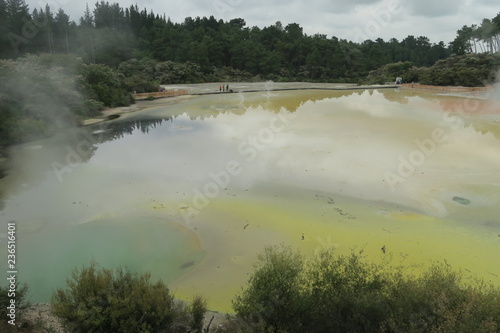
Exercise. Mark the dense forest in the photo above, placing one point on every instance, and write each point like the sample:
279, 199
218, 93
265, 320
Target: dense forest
111, 35
77, 68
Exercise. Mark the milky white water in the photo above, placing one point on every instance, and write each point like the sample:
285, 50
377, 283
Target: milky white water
192, 191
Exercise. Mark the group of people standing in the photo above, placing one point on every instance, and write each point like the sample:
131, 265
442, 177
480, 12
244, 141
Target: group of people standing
225, 88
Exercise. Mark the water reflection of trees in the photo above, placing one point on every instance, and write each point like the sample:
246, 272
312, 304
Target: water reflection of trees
116, 130
293, 102
396, 96
63, 153
275, 102
82, 144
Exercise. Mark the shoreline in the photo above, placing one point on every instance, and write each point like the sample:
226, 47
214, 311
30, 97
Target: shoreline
201, 89
140, 105
40, 315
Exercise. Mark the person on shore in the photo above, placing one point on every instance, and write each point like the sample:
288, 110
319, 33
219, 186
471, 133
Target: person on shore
220, 88
227, 87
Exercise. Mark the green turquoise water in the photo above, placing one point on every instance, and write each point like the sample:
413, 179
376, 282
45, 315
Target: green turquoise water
143, 244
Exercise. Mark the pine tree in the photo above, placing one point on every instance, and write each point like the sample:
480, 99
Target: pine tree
20, 28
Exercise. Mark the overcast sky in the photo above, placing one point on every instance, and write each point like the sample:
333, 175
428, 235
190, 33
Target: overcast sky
354, 20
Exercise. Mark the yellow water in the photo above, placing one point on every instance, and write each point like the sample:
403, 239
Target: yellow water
322, 165
410, 239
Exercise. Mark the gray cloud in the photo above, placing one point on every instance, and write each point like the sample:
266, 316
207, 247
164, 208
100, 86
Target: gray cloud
434, 8
438, 20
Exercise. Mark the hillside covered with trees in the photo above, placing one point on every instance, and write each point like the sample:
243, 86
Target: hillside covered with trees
110, 35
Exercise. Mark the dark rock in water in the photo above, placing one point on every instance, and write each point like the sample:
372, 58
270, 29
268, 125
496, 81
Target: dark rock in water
113, 116
187, 264
461, 201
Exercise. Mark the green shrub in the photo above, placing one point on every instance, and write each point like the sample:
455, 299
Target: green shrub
389, 73
103, 300
26, 129
197, 309
465, 70
274, 296
348, 294
101, 83
87, 108
41, 94
440, 301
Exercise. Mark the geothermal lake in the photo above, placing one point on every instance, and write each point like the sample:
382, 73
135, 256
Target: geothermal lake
193, 189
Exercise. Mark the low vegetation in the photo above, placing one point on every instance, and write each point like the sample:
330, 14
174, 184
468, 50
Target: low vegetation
42, 94
103, 300
469, 70
331, 293
286, 293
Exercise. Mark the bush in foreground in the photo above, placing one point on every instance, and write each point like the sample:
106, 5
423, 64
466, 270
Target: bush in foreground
347, 294
103, 300
274, 298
